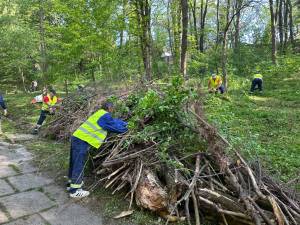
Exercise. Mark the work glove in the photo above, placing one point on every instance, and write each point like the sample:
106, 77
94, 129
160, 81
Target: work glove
52, 111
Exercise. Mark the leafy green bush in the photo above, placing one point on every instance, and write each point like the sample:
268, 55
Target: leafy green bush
156, 117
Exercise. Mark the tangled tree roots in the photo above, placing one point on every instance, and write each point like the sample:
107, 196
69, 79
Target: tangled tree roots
220, 183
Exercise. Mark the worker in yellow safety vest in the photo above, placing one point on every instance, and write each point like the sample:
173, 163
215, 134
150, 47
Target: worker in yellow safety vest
48, 107
91, 133
257, 83
215, 84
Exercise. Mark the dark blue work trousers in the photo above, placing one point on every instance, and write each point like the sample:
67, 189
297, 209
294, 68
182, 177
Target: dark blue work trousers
256, 84
2, 103
221, 89
43, 116
78, 155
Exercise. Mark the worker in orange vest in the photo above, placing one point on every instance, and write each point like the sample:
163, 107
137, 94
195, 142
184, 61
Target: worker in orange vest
215, 84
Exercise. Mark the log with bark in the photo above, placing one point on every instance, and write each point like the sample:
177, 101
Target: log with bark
217, 183
220, 184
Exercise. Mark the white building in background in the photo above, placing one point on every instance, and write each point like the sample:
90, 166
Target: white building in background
167, 56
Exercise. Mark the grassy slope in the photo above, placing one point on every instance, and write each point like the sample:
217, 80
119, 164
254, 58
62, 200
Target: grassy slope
267, 126
263, 125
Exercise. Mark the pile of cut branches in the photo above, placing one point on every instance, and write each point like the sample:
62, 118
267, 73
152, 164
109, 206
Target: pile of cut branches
76, 108
173, 162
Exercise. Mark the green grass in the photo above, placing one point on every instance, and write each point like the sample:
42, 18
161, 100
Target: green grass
264, 126
21, 113
50, 155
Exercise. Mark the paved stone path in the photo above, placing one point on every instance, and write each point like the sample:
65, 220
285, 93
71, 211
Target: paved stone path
28, 198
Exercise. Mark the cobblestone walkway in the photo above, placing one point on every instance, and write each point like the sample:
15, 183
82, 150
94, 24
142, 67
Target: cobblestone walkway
28, 198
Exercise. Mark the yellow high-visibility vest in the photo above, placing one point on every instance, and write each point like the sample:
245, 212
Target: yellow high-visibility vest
90, 131
215, 83
257, 75
52, 102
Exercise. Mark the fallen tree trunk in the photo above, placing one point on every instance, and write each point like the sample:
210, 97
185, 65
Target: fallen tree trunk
213, 181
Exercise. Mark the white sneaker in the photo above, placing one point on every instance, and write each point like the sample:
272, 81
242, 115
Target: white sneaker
80, 194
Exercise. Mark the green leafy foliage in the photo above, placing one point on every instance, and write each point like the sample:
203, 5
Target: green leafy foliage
156, 117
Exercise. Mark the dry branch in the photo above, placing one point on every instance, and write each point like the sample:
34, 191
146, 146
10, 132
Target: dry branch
219, 181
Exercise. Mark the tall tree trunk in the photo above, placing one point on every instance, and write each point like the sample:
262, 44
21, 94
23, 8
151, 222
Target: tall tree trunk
280, 24
123, 22
23, 78
273, 32
149, 41
224, 46
218, 22
121, 37
43, 61
238, 4
184, 41
93, 76
143, 13
224, 60
276, 11
202, 20
66, 87
291, 23
285, 22
176, 24
194, 9
169, 28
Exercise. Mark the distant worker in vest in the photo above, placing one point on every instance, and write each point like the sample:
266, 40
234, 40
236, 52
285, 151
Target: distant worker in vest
257, 83
3, 106
91, 133
48, 107
215, 84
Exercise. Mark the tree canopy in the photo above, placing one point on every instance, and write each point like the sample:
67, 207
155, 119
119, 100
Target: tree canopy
55, 40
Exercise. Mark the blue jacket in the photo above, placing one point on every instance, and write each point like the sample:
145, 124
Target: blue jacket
112, 125
2, 102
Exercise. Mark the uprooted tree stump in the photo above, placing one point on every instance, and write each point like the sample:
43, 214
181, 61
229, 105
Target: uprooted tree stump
217, 182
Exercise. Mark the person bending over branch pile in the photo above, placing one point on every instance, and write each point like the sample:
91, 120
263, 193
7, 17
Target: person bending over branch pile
91, 133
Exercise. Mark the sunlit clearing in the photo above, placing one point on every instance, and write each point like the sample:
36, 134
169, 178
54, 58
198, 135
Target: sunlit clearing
261, 99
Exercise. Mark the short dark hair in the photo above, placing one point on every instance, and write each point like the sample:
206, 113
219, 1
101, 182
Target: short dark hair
52, 91
106, 105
